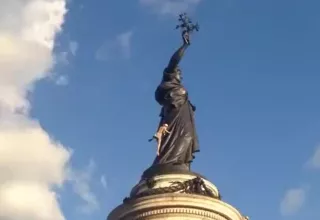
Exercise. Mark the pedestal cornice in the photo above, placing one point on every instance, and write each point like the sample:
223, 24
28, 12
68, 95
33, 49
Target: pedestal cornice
173, 205
175, 196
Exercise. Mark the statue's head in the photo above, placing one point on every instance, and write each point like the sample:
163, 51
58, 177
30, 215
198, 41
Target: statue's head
175, 75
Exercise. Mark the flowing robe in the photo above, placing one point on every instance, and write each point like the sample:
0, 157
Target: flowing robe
178, 146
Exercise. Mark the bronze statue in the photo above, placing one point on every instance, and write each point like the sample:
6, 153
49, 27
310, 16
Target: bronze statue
176, 136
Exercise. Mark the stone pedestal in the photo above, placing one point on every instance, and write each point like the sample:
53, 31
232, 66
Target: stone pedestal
175, 197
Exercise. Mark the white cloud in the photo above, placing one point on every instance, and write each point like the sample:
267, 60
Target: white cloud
81, 185
31, 162
314, 161
292, 201
120, 47
73, 47
103, 181
173, 7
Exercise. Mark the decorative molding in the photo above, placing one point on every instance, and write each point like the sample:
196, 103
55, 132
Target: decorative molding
188, 211
159, 203
169, 196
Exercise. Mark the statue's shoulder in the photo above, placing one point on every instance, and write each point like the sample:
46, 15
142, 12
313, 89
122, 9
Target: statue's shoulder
178, 91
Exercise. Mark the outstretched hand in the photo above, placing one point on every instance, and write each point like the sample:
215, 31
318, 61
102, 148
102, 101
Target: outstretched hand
186, 38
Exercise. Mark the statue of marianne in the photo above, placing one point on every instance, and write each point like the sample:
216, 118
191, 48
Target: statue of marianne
176, 136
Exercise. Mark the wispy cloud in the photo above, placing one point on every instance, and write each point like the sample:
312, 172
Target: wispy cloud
173, 7
119, 47
73, 47
293, 201
62, 80
295, 198
103, 181
61, 60
314, 161
124, 41
32, 164
81, 180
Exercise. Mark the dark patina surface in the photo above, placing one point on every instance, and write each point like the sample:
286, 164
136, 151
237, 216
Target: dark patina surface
177, 147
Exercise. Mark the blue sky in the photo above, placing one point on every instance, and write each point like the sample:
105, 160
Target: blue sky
252, 71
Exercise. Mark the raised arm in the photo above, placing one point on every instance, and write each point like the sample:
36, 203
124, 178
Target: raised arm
177, 56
